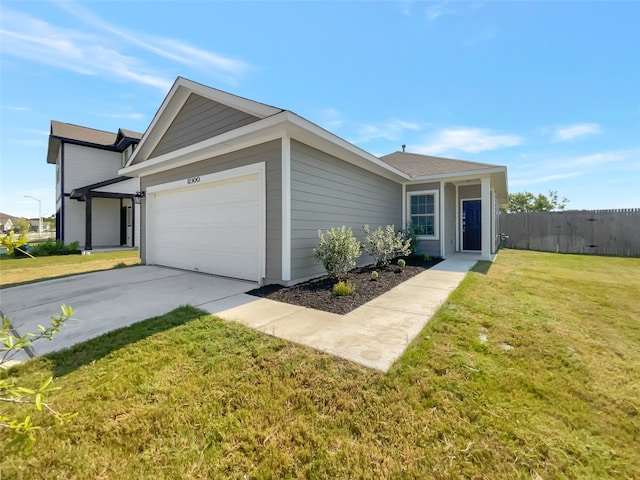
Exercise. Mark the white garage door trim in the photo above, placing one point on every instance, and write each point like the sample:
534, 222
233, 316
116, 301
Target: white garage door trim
197, 181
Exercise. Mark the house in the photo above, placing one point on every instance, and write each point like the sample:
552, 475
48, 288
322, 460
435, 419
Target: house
95, 206
238, 188
7, 222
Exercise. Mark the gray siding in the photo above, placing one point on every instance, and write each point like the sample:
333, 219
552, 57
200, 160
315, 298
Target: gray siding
271, 154
328, 192
199, 119
469, 191
432, 247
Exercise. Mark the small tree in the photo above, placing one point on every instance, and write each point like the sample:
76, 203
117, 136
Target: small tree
338, 250
528, 202
11, 243
23, 429
385, 245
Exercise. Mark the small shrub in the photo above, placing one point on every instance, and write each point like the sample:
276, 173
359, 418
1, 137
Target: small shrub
338, 250
402, 264
410, 234
426, 257
385, 245
55, 247
374, 275
343, 289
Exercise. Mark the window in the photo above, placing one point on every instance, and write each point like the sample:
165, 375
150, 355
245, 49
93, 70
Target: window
422, 213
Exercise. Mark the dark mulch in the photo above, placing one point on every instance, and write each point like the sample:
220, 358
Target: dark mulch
317, 293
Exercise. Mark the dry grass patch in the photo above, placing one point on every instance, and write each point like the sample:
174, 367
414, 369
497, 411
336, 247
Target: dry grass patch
26, 270
188, 395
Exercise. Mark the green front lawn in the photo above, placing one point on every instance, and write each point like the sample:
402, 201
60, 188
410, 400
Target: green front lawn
188, 395
17, 271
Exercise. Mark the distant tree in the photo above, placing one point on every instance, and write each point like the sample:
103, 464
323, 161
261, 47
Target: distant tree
50, 221
22, 226
528, 202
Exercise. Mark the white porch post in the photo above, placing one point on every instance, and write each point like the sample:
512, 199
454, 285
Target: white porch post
485, 195
286, 207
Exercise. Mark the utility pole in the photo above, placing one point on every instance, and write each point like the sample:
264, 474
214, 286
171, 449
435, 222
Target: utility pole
39, 214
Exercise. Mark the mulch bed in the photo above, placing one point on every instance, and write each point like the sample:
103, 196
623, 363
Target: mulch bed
317, 293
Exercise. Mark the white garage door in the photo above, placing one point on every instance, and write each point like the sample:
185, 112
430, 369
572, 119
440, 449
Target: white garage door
208, 225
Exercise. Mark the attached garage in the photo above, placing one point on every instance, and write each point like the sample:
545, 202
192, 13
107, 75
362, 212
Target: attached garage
212, 223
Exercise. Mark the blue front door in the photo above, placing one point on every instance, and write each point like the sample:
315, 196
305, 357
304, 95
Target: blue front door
471, 225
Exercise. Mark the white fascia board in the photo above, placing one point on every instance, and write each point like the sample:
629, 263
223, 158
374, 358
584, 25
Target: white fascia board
251, 107
270, 128
461, 176
168, 110
175, 100
317, 137
262, 131
286, 207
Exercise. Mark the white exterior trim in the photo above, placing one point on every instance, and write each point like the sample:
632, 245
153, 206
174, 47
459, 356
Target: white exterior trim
404, 206
175, 100
485, 189
458, 221
286, 208
436, 211
442, 220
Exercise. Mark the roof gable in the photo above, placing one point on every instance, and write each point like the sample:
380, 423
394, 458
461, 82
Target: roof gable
198, 119
416, 165
188, 100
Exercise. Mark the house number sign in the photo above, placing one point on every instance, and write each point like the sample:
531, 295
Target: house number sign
192, 180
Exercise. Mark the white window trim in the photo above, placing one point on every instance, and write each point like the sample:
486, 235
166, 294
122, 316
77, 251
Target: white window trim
436, 212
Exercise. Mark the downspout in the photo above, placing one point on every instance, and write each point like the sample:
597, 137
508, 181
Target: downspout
442, 221
60, 234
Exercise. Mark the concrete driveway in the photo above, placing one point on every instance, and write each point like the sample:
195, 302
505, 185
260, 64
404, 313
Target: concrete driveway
105, 301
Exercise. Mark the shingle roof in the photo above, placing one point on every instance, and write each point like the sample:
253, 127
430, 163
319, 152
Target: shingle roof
86, 134
131, 133
100, 138
416, 165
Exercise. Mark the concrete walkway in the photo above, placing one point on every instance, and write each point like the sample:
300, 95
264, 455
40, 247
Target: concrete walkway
373, 335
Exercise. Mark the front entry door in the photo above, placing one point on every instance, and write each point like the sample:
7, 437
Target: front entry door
471, 225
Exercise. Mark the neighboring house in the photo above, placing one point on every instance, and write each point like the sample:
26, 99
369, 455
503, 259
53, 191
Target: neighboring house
7, 222
243, 188
95, 206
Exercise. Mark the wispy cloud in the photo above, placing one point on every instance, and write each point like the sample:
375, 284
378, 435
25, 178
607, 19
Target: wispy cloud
602, 158
95, 48
17, 108
557, 168
469, 140
569, 132
437, 10
390, 130
330, 118
542, 179
169, 48
486, 34
127, 116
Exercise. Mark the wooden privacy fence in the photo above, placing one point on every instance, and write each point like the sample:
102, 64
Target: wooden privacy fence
595, 232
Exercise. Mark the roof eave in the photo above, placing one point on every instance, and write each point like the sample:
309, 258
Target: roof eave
464, 173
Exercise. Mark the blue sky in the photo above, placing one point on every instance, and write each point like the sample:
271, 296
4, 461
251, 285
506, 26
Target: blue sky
549, 89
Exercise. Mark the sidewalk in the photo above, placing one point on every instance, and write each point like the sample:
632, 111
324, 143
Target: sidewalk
373, 335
